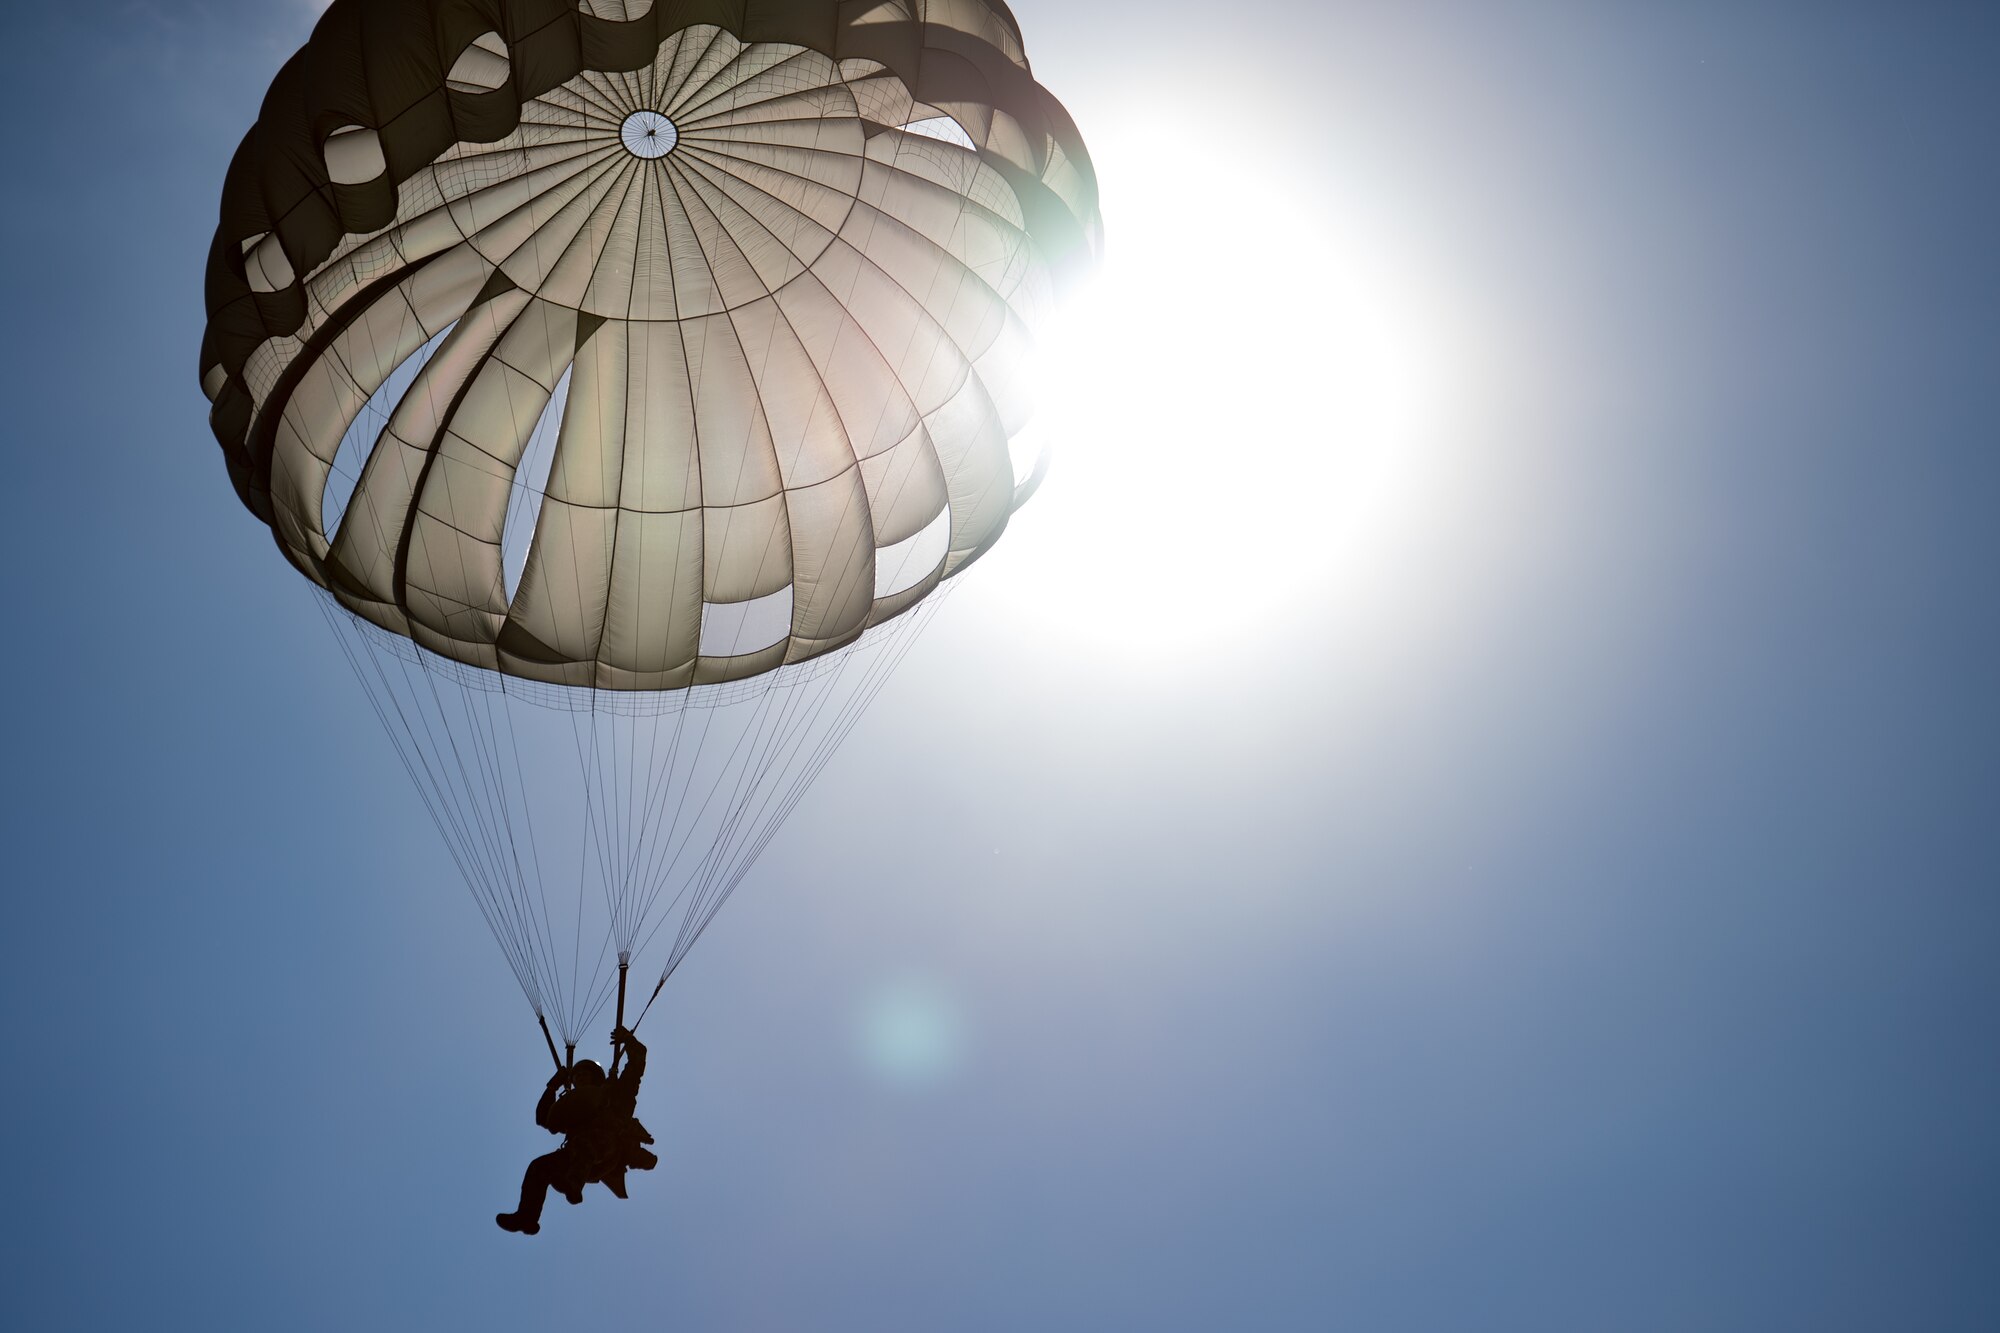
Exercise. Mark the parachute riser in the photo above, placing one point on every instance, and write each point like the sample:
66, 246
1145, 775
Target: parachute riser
649, 1002
551, 1042
618, 1047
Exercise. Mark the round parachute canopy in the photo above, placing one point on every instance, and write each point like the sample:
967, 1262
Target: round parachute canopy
628, 376
640, 346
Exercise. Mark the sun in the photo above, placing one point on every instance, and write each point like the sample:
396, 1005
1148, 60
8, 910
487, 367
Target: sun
1242, 411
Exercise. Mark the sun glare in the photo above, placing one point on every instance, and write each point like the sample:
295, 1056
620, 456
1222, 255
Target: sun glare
1246, 401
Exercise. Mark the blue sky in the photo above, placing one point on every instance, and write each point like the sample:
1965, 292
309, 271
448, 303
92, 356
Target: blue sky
1482, 798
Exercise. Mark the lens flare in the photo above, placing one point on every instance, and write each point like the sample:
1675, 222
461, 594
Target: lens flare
910, 1034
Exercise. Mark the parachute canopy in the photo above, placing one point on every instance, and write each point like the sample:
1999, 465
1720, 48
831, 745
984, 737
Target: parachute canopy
613, 370
638, 346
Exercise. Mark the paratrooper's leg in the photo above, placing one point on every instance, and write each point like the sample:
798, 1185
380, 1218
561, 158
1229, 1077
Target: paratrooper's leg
546, 1170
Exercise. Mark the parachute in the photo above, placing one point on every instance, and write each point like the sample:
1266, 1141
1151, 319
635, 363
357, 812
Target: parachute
629, 378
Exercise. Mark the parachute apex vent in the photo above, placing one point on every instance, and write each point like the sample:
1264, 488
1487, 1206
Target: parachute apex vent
648, 134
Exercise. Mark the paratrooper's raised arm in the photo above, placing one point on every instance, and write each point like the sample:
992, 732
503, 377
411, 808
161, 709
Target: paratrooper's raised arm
547, 1105
635, 1051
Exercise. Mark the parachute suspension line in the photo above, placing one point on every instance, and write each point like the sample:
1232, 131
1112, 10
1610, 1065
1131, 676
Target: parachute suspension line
613, 858
639, 825
628, 819
494, 761
740, 803
685, 776
735, 805
438, 799
600, 838
448, 818
487, 752
783, 779
669, 785
854, 708
650, 809
474, 816
631, 830
658, 878
503, 882
655, 808
881, 669
527, 812
592, 800
756, 749
496, 822
497, 869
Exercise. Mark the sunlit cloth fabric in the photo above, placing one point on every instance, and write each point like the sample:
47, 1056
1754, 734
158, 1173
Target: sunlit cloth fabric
640, 345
